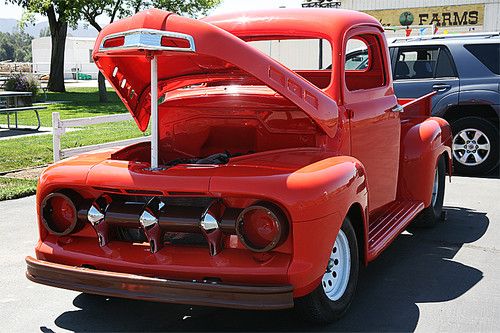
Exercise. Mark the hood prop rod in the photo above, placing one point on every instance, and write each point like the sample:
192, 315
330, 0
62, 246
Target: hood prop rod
154, 111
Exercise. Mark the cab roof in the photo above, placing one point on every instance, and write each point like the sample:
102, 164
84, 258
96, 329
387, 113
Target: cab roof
301, 22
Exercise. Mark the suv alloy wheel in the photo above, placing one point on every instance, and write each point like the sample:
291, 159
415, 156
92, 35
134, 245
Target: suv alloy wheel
475, 146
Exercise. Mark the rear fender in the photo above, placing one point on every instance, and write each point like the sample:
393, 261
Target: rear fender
443, 104
479, 97
422, 145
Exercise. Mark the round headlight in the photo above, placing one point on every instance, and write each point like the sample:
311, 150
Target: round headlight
59, 214
260, 228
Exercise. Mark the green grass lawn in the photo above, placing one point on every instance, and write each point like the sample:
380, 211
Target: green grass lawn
12, 188
32, 151
81, 102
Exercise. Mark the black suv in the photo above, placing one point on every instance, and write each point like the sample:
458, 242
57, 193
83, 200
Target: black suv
464, 70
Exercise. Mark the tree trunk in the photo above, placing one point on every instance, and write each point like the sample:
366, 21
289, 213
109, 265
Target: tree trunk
58, 31
103, 94
101, 81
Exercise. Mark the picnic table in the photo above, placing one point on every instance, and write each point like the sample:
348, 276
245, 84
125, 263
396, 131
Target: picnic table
10, 105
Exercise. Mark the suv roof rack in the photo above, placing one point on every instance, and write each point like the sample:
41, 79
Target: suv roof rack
447, 36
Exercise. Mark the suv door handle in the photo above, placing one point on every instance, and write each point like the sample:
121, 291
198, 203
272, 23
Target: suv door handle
397, 108
441, 87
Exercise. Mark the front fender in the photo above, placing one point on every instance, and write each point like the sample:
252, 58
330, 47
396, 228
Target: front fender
317, 198
313, 240
70, 173
308, 193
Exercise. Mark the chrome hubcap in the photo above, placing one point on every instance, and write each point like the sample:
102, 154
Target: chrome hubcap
471, 147
337, 273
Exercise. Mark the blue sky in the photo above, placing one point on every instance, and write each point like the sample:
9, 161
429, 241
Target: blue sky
15, 12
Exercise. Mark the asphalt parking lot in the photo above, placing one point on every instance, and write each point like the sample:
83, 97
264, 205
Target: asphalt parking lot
443, 279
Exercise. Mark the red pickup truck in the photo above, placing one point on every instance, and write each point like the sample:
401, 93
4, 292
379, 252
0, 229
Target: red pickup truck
262, 187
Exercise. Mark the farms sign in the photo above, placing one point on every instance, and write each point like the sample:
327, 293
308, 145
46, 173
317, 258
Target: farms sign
441, 16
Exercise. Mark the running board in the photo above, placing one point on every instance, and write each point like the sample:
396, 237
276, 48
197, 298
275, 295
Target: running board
388, 226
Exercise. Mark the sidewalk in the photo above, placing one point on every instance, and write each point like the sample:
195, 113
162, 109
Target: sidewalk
7, 134
83, 84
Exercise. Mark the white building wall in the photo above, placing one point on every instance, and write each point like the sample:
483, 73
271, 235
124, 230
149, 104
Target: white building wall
41, 50
296, 53
76, 56
491, 8
492, 16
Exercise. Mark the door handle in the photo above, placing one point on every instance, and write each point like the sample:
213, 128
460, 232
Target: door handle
441, 87
397, 108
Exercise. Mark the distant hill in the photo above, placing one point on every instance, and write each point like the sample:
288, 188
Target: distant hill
9, 25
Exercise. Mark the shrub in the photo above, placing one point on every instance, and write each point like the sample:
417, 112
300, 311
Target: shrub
22, 82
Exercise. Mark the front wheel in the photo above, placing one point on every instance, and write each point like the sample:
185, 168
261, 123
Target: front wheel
331, 299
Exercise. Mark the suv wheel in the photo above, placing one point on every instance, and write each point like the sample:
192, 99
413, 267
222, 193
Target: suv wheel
475, 145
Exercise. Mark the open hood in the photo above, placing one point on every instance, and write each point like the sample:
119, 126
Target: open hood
190, 51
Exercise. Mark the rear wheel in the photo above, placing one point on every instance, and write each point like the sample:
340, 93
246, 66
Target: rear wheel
475, 145
432, 214
331, 299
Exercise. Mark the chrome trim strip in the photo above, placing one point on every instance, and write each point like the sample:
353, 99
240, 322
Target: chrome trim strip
147, 39
94, 215
210, 228
398, 108
208, 222
147, 219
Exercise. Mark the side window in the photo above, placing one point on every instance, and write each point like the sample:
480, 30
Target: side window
488, 54
364, 67
445, 67
423, 63
415, 63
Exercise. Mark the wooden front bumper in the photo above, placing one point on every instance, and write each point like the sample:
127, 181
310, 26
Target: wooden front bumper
132, 286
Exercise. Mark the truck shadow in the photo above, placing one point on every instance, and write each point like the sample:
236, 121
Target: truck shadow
416, 268
493, 174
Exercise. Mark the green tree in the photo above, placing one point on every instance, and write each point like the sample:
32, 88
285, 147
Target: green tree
15, 46
44, 32
115, 9
60, 14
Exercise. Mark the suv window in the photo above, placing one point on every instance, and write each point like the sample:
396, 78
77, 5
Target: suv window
423, 63
357, 60
487, 54
445, 67
357, 55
